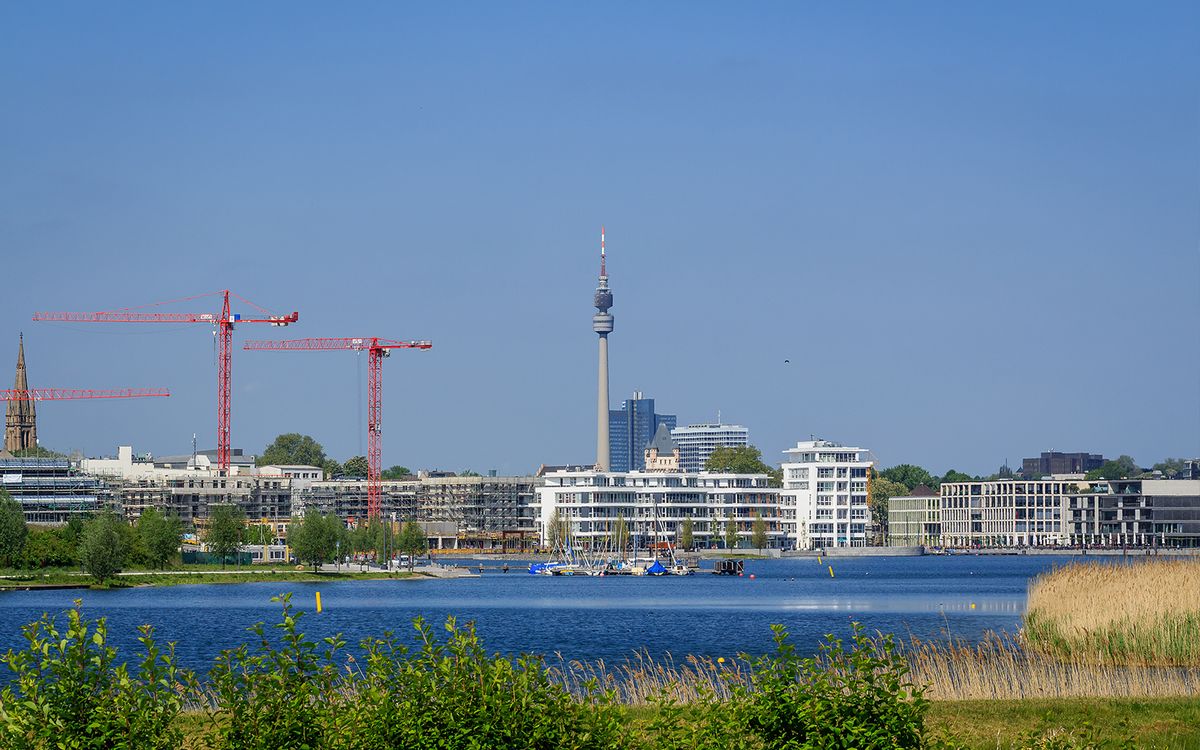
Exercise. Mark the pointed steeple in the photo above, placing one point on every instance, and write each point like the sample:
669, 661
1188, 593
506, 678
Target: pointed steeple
20, 424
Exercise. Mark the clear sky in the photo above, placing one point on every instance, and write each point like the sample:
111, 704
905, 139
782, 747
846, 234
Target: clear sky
972, 228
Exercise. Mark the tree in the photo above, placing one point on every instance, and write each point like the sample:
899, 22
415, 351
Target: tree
758, 537
687, 533
956, 476
736, 459
618, 535
293, 448
332, 468
1119, 468
56, 547
731, 533
910, 476
882, 490
412, 542
259, 533
226, 529
315, 539
38, 451
13, 532
396, 472
160, 536
1170, 467
468, 473
101, 548
356, 467
555, 533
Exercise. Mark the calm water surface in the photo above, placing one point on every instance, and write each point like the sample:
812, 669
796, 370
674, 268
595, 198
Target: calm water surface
585, 618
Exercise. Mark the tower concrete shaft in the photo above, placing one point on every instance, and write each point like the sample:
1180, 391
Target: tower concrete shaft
602, 324
20, 424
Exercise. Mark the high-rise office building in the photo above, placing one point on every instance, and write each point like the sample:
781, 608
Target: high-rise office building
697, 442
630, 430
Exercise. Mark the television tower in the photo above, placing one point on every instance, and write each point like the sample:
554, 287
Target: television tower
602, 324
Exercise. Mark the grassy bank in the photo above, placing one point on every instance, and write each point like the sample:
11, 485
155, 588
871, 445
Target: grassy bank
184, 576
1143, 614
1001, 725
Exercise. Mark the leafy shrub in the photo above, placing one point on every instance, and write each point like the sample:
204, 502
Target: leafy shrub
449, 694
275, 697
453, 694
858, 697
68, 691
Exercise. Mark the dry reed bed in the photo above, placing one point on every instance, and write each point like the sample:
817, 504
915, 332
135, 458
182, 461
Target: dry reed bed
997, 668
1143, 614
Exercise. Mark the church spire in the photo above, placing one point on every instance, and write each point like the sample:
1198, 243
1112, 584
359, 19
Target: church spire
20, 424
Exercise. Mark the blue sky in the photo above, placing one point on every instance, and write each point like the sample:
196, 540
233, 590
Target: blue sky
972, 228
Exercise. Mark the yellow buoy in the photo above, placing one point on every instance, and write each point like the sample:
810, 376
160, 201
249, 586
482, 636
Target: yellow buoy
831, 571
972, 605
318, 602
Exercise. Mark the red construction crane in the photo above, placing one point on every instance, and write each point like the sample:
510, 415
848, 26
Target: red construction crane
224, 323
376, 349
72, 394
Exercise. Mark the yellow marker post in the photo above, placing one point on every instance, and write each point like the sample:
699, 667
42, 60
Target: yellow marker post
818, 559
318, 602
831, 571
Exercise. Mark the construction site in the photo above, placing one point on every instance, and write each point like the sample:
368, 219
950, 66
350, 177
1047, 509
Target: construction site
460, 512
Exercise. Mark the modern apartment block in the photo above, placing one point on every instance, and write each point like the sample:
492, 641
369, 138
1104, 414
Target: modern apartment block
1140, 512
915, 519
697, 442
825, 495
1054, 462
654, 505
630, 430
1005, 513
51, 491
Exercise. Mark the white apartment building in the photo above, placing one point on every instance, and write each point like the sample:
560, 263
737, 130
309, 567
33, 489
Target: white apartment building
654, 505
697, 441
824, 497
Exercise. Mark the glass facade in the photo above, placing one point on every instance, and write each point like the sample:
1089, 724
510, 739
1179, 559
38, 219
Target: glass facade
630, 430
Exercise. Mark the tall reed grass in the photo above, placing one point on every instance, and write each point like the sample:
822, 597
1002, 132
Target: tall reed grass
1143, 614
998, 668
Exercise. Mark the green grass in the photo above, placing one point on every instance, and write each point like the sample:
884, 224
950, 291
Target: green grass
194, 574
1000, 725
1004, 725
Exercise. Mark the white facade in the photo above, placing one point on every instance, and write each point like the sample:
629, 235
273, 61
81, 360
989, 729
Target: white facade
824, 495
127, 466
697, 441
302, 476
654, 505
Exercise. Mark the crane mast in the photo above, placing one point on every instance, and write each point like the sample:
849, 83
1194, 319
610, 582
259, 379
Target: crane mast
377, 349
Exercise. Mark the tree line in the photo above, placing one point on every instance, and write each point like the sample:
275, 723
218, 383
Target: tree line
104, 544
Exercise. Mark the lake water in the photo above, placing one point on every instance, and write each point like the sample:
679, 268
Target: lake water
585, 618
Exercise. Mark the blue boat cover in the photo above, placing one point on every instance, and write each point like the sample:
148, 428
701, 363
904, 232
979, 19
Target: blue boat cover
656, 569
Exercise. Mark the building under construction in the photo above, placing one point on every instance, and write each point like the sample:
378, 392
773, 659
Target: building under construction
487, 512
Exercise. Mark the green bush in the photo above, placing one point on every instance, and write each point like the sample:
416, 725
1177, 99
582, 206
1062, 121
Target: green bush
287, 691
68, 691
858, 697
275, 697
449, 694
453, 694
